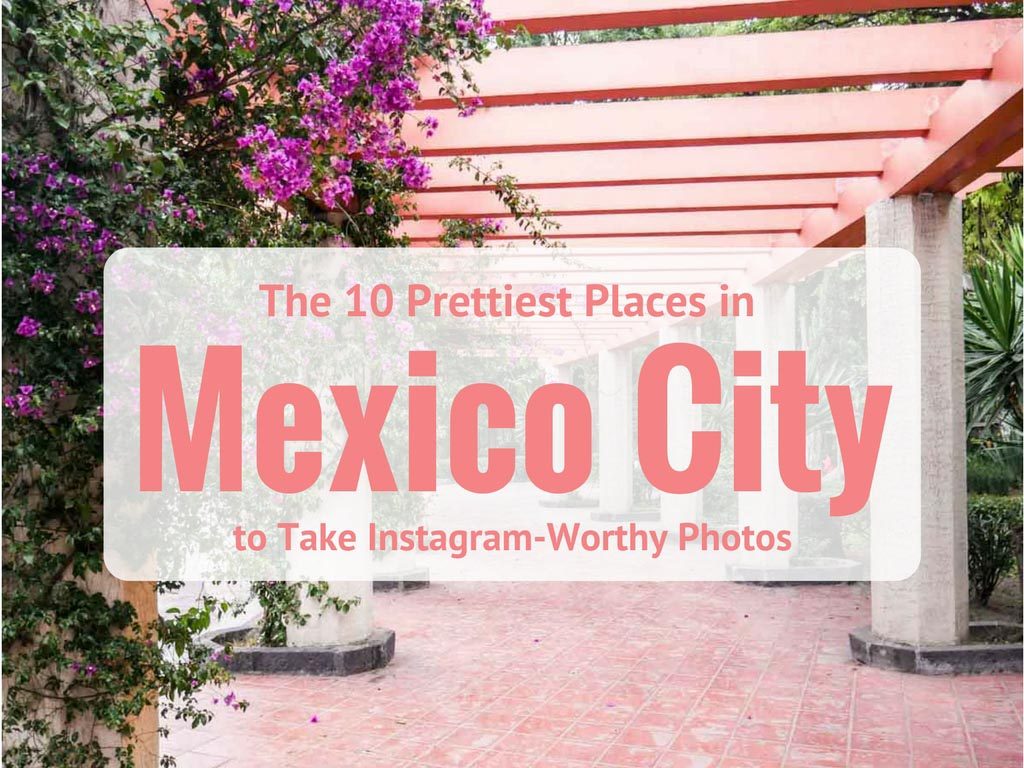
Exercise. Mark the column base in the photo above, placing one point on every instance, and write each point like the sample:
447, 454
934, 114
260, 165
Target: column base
336, 660
801, 571
402, 581
992, 647
626, 516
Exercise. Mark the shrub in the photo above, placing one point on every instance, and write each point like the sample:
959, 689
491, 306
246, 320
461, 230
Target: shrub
993, 473
993, 340
993, 533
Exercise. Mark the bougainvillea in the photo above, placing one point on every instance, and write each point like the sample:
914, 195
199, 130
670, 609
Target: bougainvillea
214, 123
318, 97
62, 641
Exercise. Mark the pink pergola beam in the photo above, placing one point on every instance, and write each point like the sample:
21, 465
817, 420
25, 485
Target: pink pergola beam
980, 183
661, 198
640, 237
575, 15
683, 122
552, 170
662, 241
640, 224
735, 64
1013, 163
975, 130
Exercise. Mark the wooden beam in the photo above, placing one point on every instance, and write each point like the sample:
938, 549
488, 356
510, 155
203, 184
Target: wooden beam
661, 198
641, 225
978, 127
575, 15
614, 167
925, 53
1013, 163
758, 241
980, 183
683, 122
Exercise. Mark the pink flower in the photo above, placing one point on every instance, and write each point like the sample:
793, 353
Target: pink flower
28, 327
43, 282
88, 302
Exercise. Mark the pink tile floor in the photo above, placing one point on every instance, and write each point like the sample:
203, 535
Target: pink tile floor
662, 675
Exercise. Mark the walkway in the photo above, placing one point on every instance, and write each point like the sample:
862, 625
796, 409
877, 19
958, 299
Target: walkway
662, 675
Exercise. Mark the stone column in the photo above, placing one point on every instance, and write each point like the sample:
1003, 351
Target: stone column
771, 329
558, 374
329, 627
615, 434
931, 607
684, 418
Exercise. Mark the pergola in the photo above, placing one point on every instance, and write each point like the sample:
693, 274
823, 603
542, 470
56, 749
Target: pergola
687, 143
601, 135
667, 143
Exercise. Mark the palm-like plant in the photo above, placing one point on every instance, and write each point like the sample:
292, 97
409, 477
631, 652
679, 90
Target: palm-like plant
993, 311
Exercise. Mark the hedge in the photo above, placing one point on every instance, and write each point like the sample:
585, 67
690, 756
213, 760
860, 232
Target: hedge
994, 537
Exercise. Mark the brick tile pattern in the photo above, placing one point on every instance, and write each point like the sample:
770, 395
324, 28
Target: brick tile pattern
620, 676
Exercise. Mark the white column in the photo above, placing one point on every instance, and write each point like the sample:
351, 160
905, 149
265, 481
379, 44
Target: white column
931, 607
327, 626
558, 374
771, 329
684, 418
615, 434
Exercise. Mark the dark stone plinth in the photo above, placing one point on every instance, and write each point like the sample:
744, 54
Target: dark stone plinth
802, 571
982, 654
338, 660
405, 581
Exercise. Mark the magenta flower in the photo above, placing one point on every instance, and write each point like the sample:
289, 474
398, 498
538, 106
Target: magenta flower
88, 302
42, 282
28, 327
281, 166
22, 403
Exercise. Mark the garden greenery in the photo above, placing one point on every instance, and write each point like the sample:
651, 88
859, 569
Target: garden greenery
993, 335
213, 123
993, 340
993, 470
994, 525
281, 602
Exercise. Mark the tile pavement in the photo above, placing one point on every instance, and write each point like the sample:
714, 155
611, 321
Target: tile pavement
693, 675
